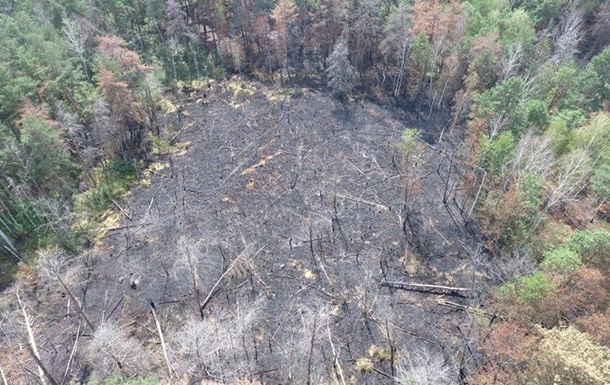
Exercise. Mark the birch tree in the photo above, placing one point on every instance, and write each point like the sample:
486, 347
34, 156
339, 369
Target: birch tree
396, 44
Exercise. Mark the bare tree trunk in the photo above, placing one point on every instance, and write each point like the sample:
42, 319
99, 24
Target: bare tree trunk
4, 380
76, 302
63, 381
43, 374
403, 61
163, 347
336, 363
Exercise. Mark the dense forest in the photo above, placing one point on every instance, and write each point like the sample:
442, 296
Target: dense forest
487, 116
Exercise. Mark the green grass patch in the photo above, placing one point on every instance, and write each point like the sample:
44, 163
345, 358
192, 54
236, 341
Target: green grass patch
161, 145
110, 181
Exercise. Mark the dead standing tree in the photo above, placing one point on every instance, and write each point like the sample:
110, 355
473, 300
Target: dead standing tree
320, 192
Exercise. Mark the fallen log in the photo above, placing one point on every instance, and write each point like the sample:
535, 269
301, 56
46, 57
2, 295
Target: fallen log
469, 309
429, 289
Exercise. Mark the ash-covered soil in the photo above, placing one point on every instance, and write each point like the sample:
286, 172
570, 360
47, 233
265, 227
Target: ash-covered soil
274, 248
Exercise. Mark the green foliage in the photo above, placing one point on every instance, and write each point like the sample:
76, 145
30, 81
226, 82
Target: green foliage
531, 192
595, 80
562, 259
518, 213
537, 114
542, 12
419, 58
559, 87
39, 176
483, 16
47, 164
20, 221
160, 145
82, 99
561, 130
505, 99
35, 62
590, 244
573, 118
494, 154
6, 137
409, 139
484, 63
32, 224
518, 28
600, 182
111, 181
13, 88
595, 137
528, 288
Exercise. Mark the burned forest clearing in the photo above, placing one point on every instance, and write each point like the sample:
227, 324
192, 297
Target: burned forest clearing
286, 237
411, 192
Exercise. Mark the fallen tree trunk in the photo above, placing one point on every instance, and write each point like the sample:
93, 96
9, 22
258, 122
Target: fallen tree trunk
429, 289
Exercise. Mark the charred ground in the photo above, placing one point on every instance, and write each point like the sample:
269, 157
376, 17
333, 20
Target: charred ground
288, 225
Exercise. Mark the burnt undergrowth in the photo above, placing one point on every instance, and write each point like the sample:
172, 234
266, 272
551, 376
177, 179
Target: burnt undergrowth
289, 228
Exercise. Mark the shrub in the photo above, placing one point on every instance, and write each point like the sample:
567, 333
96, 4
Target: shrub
409, 140
537, 114
528, 288
597, 326
111, 181
600, 182
561, 259
591, 246
494, 154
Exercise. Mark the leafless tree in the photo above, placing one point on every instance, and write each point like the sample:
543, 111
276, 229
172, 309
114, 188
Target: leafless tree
52, 265
511, 61
194, 349
340, 71
175, 50
302, 344
601, 27
513, 3
569, 35
220, 346
78, 34
533, 154
33, 346
572, 174
397, 43
114, 351
25, 342
422, 366
177, 27
365, 33
9, 246
105, 128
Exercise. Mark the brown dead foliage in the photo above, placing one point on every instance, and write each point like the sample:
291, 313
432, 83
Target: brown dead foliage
597, 326
507, 348
581, 293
